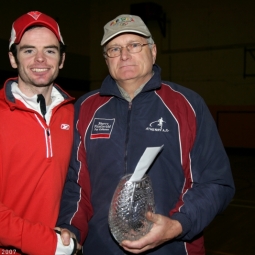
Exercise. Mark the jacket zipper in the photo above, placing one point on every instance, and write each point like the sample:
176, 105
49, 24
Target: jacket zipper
47, 135
127, 136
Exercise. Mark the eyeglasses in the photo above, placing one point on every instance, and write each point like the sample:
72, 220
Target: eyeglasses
131, 48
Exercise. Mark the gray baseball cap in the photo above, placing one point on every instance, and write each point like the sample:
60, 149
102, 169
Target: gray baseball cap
123, 24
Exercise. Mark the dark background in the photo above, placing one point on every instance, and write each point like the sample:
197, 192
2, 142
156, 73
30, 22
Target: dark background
207, 46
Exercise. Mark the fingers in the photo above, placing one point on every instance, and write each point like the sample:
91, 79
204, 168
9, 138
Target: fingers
78, 246
141, 245
164, 229
66, 235
152, 217
58, 229
136, 246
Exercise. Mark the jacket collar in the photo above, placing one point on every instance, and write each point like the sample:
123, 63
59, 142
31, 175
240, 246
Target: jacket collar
11, 99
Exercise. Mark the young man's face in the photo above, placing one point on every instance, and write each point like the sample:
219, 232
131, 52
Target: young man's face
38, 55
136, 67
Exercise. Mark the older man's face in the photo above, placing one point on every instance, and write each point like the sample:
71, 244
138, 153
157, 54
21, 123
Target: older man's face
131, 68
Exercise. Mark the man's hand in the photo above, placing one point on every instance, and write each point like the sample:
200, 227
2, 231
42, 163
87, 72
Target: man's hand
163, 230
66, 235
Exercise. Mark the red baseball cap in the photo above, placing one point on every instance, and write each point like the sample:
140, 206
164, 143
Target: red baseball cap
29, 19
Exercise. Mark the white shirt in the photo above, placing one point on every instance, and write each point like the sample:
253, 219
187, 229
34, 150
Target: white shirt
31, 102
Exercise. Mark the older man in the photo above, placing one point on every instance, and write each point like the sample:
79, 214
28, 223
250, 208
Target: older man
191, 177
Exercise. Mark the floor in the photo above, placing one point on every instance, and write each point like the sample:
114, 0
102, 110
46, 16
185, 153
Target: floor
233, 231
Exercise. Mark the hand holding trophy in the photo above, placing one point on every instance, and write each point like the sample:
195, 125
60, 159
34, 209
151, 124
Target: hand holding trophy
131, 201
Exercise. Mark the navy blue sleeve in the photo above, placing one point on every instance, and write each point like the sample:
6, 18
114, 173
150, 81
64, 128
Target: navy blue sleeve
213, 186
76, 208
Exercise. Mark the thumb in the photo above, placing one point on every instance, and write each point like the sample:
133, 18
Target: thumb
152, 217
65, 236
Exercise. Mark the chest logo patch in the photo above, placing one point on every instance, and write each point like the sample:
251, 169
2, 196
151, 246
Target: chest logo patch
65, 126
102, 128
157, 126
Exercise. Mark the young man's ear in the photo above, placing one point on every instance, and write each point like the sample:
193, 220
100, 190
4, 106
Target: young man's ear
12, 60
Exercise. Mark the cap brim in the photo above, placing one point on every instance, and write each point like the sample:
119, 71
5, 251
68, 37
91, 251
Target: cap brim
105, 40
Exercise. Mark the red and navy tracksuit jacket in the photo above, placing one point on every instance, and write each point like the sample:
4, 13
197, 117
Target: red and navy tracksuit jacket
191, 177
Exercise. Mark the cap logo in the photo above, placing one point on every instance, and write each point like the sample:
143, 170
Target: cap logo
123, 21
35, 15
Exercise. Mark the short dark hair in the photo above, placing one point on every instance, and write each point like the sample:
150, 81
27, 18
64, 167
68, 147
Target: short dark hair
13, 49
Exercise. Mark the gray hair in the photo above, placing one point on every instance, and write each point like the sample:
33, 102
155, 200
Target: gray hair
150, 41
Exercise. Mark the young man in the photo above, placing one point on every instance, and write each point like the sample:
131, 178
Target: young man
35, 140
134, 109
